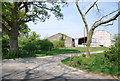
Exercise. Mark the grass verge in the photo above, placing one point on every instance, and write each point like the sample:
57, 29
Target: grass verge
97, 64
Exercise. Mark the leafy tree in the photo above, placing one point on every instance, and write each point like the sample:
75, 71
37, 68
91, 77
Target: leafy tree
16, 14
33, 36
98, 23
24, 30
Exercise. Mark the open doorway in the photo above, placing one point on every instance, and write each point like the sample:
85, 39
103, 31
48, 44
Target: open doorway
82, 40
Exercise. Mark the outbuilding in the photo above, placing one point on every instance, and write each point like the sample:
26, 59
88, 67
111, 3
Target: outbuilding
69, 41
101, 38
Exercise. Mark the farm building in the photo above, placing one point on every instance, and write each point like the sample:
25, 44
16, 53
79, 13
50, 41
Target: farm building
79, 42
100, 38
69, 41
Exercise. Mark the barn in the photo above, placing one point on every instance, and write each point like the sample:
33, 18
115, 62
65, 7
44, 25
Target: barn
69, 41
101, 38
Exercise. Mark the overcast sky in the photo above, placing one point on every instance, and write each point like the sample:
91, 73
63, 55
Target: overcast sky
72, 24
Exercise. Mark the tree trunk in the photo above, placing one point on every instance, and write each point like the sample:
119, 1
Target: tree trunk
13, 43
89, 39
13, 35
88, 47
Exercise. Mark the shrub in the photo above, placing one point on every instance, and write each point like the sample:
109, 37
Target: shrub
17, 54
5, 45
20, 53
35, 45
27, 46
58, 44
31, 47
114, 52
29, 42
44, 44
83, 55
22, 41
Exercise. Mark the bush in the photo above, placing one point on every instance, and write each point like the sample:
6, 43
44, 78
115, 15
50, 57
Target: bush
114, 53
83, 55
31, 47
58, 44
17, 54
35, 45
20, 53
22, 41
27, 46
5, 45
44, 44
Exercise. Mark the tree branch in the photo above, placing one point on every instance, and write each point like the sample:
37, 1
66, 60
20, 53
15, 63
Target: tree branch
19, 4
4, 28
26, 7
27, 3
107, 21
22, 6
22, 21
83, 17
98, 9
108, 24
27, 20
91, 7
6, 20
45, 8
106, 16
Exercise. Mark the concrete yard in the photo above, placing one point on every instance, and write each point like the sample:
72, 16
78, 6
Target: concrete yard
49, 67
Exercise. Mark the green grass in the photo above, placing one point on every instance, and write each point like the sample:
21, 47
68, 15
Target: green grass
40, 53
66, 51
83, 49
97, 64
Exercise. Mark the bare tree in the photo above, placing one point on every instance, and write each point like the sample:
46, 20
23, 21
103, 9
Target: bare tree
90, 30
